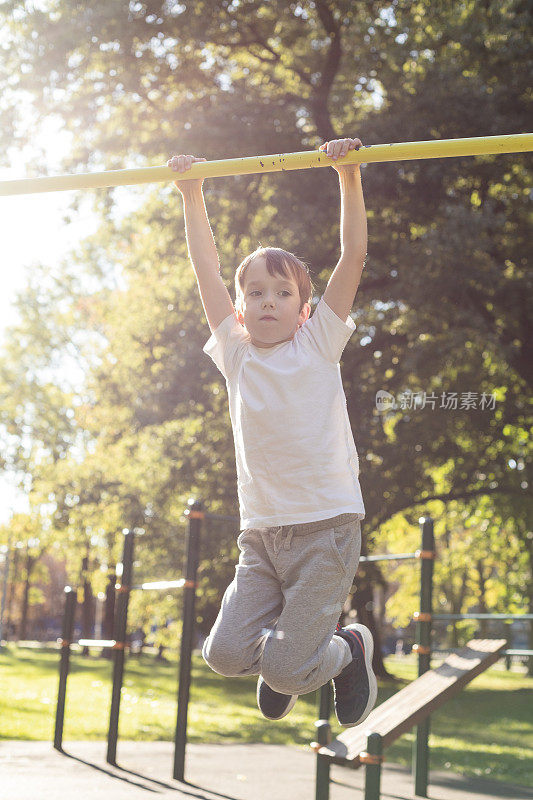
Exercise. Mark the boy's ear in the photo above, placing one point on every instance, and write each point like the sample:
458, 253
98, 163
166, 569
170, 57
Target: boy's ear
304, 313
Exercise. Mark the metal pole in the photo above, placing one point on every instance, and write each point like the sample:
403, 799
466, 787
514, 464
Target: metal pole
423, 617
86, 631
196, 515
323, 737
399, 151
4, 593
121, 622
66, 638
502, 617
508, 661
373, 759
108, 619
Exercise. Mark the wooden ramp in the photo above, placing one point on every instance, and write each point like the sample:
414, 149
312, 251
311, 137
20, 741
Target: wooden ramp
413, 703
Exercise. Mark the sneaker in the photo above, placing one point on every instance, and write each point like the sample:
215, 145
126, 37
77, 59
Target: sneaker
355, 688
273, 705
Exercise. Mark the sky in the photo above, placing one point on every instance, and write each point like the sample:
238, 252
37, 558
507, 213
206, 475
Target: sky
33, 230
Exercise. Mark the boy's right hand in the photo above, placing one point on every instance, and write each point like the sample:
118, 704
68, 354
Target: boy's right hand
182, 163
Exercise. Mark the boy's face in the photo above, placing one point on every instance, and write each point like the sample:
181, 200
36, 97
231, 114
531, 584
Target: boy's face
271, 296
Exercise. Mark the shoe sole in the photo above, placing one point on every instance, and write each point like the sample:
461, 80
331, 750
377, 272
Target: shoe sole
372, 682
291, 705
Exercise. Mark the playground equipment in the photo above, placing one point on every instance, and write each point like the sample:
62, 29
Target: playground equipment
118, 644
282, 162
400, 712
364, 744
479, 653
426, 555
412, 705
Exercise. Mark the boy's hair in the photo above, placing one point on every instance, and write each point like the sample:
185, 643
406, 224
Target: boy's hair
278, 262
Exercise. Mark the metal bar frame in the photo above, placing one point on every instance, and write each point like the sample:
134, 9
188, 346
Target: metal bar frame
121, 623
423, 629
452, 617
516, 653
196, 517
64, 664
373, 759
323, 737
155, 586
390, 557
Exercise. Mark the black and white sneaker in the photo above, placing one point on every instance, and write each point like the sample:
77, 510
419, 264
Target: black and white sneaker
355, 688
273, 705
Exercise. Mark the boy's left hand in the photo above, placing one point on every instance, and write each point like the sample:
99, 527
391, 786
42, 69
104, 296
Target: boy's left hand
338, 148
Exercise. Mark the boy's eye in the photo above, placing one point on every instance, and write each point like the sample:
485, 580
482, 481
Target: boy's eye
257, 291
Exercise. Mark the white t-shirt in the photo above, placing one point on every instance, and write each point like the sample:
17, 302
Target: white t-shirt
295, 453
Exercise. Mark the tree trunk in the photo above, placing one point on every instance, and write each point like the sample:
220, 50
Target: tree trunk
362, 602
454, 635
10, 628
483, 623
457, 607
25, 597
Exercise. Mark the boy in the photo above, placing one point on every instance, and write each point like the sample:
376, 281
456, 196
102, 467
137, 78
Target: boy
297, 465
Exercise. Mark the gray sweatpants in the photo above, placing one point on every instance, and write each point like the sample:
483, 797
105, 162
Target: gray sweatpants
279, 613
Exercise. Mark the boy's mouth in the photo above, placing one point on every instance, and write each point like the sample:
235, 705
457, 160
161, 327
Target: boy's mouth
268, 318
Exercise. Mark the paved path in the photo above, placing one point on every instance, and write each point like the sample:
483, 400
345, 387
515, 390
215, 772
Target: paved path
35, 771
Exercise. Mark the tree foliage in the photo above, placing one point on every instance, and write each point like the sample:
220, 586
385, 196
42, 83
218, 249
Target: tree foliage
442, 307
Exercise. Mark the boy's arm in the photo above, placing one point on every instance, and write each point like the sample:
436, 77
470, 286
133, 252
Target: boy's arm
204, 257
344, 281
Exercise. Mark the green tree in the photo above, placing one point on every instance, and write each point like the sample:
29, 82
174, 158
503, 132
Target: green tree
443, 303
29, 536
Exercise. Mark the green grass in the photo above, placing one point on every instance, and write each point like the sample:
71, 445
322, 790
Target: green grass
486, 730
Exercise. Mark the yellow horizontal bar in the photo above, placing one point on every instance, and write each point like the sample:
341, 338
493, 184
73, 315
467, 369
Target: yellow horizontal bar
401, 151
